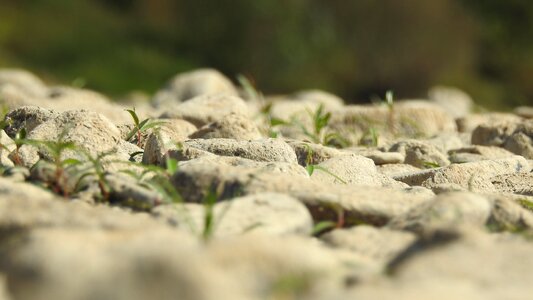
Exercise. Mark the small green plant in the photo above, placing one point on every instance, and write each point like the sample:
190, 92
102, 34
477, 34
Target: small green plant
95, 167
55, 151
430, 164
311, 168
526, 204
370, 138
249, 89
140, 126
20, 140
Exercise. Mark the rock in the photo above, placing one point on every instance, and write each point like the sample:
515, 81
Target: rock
524, 112
206, 109
379, 157
378, 244
26, 206
166, 137
396, 170
27, 117
473, 175
470, 267
270, 150
7, 145
266, 213
188, 85
374, 205
470, 122
407, 118
449, 141
126, 191
513, 136
90, 131
477, 153
283, 267
352, 169
232, 126
515, 183
493, 134
446, 211
23, 81
508, 215
122, 264
300, 105
420, 154
455, 101
313, 153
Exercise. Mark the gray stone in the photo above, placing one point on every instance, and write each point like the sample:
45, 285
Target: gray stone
313, 153
266, 213
420, 154
27, 117
378, 244
206, 109
352, 203
508, 215
455, 101
232, 126
188, 85
470, 122
493, 134
477, 153
515, 183
407, 118
447, 210
524, 111
168, 136
23, 81
352, 169
260, 150
7, 145
473, 175
379, 157
396, 170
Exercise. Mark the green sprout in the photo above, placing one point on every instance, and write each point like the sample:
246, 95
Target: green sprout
140, 126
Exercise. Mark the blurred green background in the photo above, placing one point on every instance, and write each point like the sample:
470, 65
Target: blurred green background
356, 49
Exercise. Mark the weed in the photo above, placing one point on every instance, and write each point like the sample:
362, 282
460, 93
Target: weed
140, 126
322, 226
251, 92
312, 167
526, 204
430, 164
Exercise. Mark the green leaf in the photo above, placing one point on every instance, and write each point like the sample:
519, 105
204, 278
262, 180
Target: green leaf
21, 134
151, 124
71, 162
526, 204
322, 226
172, 165
330, 173
134, 116
310, 169
276, 122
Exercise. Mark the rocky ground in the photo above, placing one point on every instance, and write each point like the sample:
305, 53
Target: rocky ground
213, 191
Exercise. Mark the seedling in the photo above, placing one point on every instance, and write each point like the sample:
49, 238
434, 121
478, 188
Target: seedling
312, 167
20, 139
526, 204
140, 126
430, 164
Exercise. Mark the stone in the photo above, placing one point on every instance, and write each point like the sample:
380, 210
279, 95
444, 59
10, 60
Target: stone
206, 109
265, 213
379, 157
378, 244
119, 264
309, 153
27, 117
270, 150
24, 81
407, 118
455, 101
232, 126
420, 154
185, 86
514, 183
524, 112
508, 215
352, 169
470, 267
355, 204
473, 176
7, 145
470, 122
446, 211
396, 170
493, 134
165, 137
477, 153
90, 131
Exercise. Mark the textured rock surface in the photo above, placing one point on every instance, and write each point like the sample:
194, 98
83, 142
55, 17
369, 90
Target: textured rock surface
206, 109
267, 213
420, 154
185, 86
232, 126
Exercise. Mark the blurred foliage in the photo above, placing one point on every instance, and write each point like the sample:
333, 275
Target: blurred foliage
356, 49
